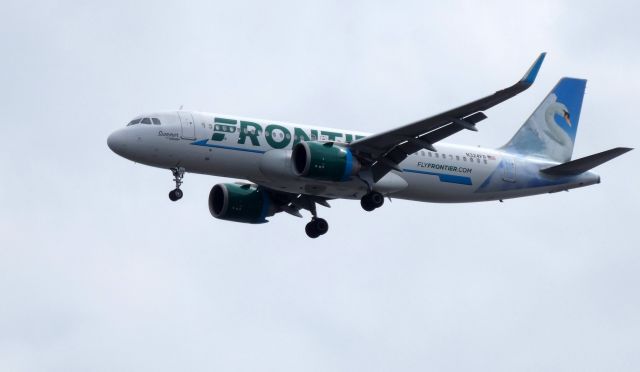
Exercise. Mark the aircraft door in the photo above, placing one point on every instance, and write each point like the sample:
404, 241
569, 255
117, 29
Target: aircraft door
187, 124
509, 174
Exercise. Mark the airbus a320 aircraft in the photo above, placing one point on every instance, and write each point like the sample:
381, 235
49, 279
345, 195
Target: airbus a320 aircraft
292, 167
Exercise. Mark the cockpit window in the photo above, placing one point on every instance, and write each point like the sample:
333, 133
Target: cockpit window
155, 121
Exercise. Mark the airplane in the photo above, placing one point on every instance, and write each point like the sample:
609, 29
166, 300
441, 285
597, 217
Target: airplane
291, 167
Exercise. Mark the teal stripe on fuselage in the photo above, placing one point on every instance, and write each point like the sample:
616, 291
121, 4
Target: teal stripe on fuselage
449, 178
206, 144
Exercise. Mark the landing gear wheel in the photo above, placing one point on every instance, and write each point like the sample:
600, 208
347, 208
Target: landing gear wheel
371, 201
178, 175
310, 229
317, 227
175, 195
366, 204
321, 226
377, 199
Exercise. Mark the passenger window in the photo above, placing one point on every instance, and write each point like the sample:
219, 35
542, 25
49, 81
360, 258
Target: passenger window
430, 155
156, 121
457, 158
485, 161
437, 155
464, 158
146, 121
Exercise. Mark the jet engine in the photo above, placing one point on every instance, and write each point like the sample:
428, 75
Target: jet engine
240, 203
324, 161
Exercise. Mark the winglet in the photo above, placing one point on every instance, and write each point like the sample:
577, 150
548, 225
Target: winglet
531, 74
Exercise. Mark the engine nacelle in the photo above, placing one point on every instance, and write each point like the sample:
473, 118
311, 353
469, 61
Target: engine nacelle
240, 203
324, 161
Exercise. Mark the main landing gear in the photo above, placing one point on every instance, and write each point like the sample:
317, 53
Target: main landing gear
178, 175
371, 201
318, 226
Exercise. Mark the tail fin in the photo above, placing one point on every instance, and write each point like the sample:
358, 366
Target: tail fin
550, 131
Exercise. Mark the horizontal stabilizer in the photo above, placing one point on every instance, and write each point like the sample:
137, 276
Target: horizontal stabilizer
578, 166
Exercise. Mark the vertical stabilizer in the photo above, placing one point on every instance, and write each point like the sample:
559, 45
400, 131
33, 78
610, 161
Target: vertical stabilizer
550, 131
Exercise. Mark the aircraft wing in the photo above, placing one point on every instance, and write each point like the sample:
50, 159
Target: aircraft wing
387, 149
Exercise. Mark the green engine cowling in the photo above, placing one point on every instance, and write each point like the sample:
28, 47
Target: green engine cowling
240, 203
324, 161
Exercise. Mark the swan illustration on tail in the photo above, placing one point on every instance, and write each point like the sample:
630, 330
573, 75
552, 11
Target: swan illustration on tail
550, 131
548, 135
553, 130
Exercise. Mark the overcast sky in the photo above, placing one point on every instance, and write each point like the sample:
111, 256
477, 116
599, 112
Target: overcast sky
99, 271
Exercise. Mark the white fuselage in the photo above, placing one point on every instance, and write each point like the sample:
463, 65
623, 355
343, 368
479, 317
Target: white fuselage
259, 151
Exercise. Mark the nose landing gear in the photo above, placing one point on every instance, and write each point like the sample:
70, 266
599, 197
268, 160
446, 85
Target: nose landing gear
178, 175
175, 195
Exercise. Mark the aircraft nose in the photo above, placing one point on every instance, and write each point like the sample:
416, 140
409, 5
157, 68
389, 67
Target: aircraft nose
116, 142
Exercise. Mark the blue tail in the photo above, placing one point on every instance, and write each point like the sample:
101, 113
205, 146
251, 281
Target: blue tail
550, 131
